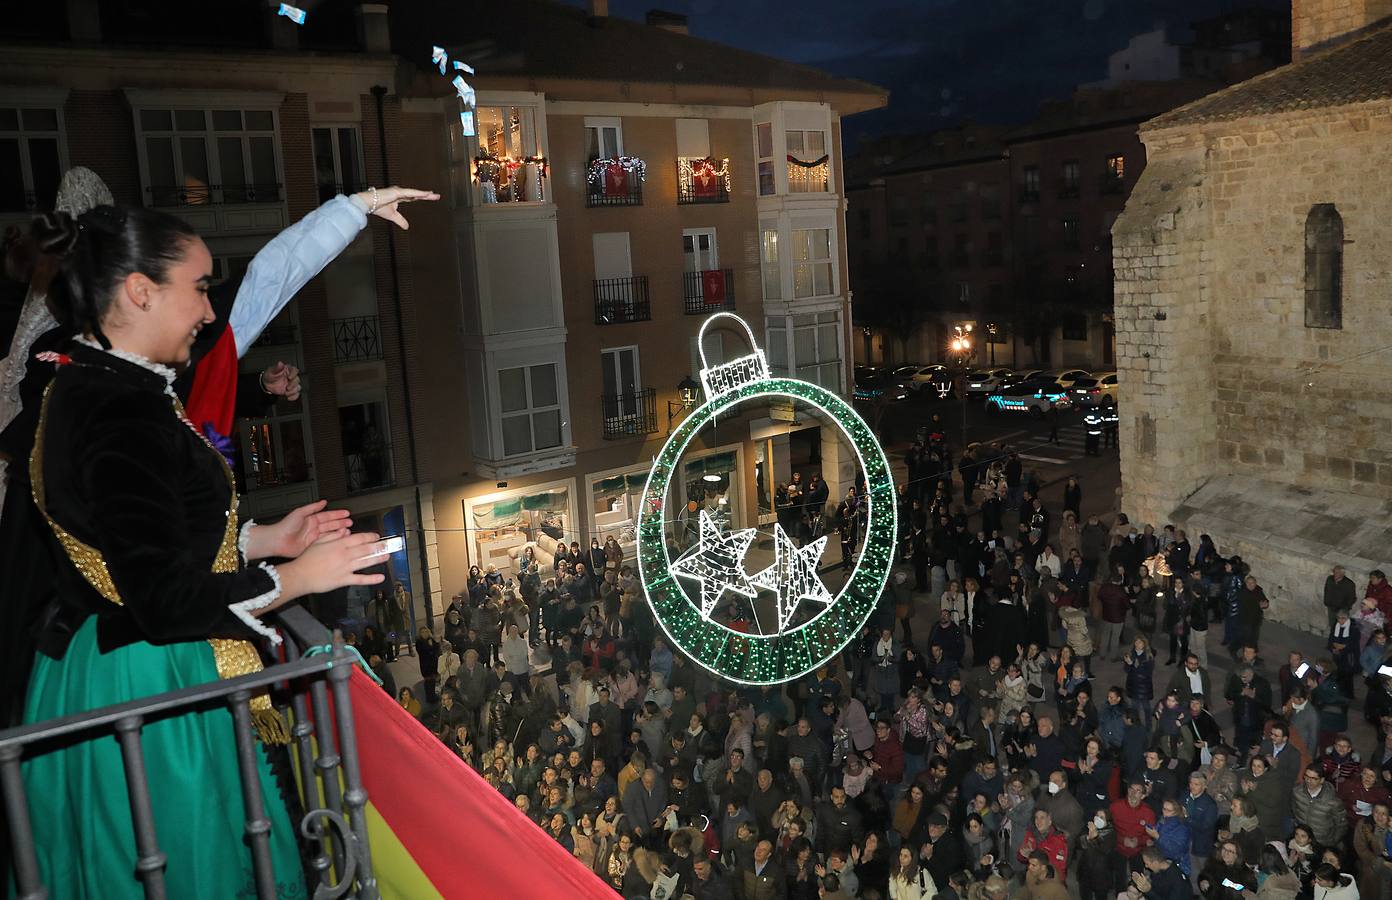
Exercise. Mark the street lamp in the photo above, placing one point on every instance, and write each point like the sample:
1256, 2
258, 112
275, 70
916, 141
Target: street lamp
687, 390
962, 352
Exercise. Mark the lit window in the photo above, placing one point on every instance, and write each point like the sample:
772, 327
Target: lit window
808, 163
773, 278
812, 263
510, 166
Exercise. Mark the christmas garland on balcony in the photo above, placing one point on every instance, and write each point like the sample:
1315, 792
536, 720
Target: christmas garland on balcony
630, 164
704, 168
487, 166
809, 165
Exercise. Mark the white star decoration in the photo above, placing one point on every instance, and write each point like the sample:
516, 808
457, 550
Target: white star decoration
793, 575
717, 561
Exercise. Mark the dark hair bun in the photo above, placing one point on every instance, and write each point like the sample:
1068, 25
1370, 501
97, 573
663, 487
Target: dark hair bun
55, 233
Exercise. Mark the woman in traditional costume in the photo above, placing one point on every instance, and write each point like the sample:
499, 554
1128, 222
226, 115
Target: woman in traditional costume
158, 586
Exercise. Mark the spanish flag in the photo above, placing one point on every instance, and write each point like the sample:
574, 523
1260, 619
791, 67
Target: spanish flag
438, 830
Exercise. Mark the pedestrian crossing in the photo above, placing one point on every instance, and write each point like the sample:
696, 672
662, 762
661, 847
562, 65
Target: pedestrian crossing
1071, 446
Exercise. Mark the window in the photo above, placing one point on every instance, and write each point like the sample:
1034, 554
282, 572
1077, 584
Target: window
367, 460
509, 168
531, 408
929, 214
808, 169
773, 276
1324, 267
31, 158
1075, 328
995, 248
603, 138
930, 252
961, 251
1029, 191
763, 149
817, 349
1071, 236
1071, 175
812, 263
194, 157
964, 293
1115, 174
273, 449
619, 369
338, 167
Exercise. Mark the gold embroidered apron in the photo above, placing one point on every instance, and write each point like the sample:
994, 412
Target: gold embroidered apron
232, 657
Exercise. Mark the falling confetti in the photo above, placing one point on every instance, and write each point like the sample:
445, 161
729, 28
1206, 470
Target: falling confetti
466, 121
293, 13
440, 58
462, 67
466, 93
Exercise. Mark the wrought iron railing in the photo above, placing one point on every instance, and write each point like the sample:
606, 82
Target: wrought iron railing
324, 743
263, 479
622, 300
369, 470
630, 195
690, 193
357, 338
629, 414
212, 194
708, 291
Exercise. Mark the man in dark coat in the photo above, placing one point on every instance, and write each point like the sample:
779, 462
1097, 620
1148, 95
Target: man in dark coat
1339, 593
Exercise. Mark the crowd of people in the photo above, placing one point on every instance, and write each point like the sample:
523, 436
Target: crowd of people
983, 758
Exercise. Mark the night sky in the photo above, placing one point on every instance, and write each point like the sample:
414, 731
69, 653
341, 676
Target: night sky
943, 60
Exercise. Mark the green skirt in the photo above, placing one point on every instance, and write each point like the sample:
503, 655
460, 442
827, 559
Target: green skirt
79, 805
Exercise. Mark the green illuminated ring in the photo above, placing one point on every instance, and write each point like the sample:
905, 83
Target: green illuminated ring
769, 658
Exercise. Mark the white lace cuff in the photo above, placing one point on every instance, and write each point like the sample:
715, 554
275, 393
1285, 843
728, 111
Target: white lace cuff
243, 609
244, 537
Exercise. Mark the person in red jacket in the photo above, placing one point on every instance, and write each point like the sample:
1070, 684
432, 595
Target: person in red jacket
1115, 604
1047, 839
1131, 817
1381, 591
886, 758
1359, 794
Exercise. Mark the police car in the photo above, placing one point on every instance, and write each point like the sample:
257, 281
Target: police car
1035, 398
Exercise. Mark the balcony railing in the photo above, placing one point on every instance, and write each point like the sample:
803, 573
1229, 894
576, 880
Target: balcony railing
1029, 194
323, 742
626, 415
356, 338
615, 182
212, 194
1112, 184
708, 291
622, 300
703, 180
1070, 191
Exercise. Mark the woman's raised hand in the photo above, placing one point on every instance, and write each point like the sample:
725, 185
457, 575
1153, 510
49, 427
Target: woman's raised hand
386, 202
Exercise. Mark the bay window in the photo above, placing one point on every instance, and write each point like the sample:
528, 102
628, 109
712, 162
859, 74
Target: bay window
812, 263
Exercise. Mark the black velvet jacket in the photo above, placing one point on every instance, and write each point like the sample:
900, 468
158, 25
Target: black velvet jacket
126, 475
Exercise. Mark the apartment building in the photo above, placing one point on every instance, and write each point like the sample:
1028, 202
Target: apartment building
503, 372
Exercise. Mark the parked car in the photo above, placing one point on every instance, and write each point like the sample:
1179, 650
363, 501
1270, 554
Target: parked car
1034, 397
1066, 377
919, 379
984, 381
1025, 375
1096, 390
872, 383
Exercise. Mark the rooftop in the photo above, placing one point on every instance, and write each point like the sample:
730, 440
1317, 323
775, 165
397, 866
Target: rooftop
1353, 72
1092, 108
547, 39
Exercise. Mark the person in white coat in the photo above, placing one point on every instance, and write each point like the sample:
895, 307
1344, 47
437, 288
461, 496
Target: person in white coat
910, 881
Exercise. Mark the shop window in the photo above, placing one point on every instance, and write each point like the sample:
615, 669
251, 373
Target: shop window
502, 527
615, 501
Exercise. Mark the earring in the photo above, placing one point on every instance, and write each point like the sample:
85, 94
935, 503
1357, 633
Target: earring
145, 306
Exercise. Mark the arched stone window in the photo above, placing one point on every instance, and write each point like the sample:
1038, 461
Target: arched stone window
1324, 267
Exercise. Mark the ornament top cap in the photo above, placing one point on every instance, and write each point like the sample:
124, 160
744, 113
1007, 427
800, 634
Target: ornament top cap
721, 379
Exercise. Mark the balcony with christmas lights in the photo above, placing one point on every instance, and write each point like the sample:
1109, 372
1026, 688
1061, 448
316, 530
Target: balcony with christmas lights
808, 176
709, 291
505, 179
702, 180
615, 182
622, 299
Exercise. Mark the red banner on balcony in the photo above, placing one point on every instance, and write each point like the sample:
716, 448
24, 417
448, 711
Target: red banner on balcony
713, 287
615, 180
705, 180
